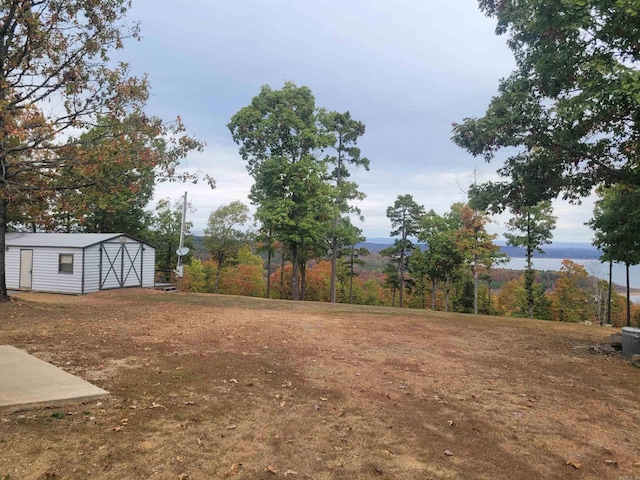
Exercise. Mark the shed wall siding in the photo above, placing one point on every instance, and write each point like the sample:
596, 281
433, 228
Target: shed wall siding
149, 266
92, 269
46, 278
12, 267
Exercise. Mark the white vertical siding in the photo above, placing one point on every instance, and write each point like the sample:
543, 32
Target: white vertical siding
92, 269
12, 268
45, 276
148, 266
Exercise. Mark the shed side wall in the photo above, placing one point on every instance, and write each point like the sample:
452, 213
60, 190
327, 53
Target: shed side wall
92, 269
12, 268
149, 266
46, 278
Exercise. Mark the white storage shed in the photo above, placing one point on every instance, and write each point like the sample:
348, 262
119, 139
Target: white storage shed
77, 263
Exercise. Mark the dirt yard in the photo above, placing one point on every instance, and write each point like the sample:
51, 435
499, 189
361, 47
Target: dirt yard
214, 387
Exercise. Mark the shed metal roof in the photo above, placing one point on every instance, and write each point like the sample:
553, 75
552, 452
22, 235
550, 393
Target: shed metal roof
72, 240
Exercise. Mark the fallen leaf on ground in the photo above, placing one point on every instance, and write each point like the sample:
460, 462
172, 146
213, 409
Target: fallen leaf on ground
448, 453
233, 470
574, 464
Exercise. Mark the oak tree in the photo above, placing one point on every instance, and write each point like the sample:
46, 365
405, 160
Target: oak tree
57, 79
569, 115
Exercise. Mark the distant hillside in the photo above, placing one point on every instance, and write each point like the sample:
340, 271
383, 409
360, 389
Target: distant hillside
584, 251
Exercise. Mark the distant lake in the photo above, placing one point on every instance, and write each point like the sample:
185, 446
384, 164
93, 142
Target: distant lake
602, 269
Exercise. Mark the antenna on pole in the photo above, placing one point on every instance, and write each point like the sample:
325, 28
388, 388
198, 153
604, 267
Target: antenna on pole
182, 250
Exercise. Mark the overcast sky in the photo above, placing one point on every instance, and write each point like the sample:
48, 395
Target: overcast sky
406, 68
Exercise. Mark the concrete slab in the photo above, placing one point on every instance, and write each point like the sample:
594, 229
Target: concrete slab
27, 382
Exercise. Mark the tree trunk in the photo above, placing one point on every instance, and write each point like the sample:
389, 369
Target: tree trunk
334, 264
218, 268
4, 297
628, 299
282, 273
351, 275
489, 293
268, 294
529, 277
475, 286
609, 293
433, 294
295, 289
401, 273
446, 294
303, 279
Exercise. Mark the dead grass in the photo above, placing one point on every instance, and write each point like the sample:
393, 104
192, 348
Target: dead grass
206, 386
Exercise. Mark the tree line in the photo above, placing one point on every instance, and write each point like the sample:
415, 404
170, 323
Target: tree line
567, 119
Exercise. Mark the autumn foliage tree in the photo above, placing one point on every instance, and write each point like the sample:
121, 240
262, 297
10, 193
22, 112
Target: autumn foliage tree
222, 236
570, 301
56, 52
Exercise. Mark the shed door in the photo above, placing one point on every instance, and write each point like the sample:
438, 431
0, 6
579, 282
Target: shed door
26, 268
121, 265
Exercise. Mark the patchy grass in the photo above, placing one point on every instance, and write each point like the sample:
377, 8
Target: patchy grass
210, 386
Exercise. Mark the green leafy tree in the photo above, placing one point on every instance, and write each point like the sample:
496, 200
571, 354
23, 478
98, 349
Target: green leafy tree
418, 267
535, 225
222, 238
390, 272
513, 300
58, 52
346, 132
404, 215
442, 257
165, 234
616, 222
568, 115
279, 139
